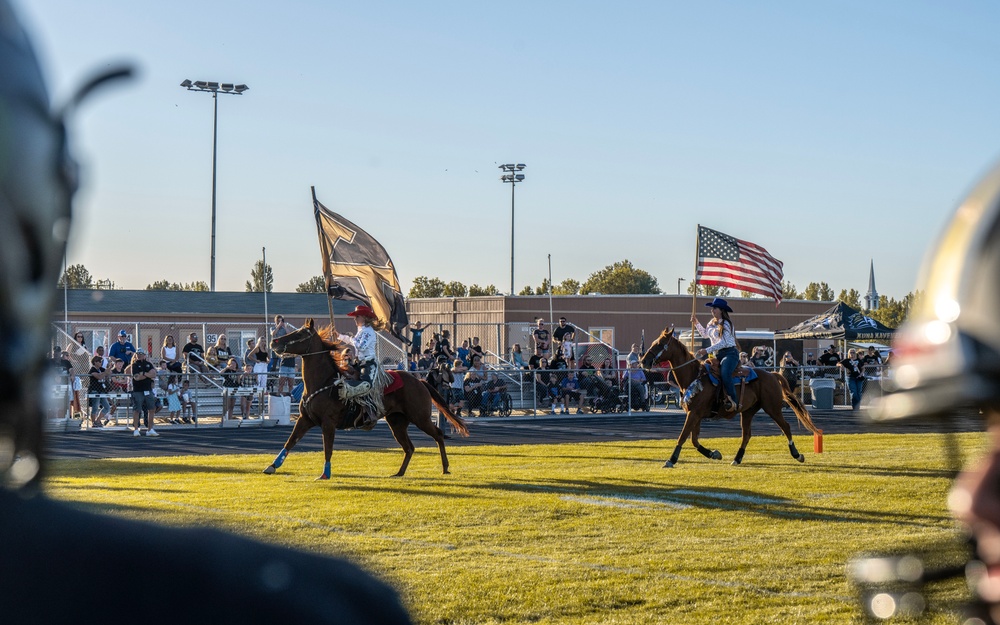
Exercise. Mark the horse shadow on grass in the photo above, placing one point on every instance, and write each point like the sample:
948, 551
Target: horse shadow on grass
657, 496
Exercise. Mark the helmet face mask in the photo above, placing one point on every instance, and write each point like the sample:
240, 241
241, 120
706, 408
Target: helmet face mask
36, 186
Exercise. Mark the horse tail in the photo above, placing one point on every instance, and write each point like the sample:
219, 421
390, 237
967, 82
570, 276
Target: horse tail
442, 405
797, 406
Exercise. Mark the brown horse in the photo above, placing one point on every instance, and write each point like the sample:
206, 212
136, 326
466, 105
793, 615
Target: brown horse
768, 391
321, 404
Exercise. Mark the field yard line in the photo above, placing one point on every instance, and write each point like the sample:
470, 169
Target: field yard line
519, 556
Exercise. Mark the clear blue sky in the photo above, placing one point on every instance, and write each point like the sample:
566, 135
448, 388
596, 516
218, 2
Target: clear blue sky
829, 133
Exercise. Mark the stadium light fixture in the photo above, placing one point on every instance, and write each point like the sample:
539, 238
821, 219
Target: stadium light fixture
213, 88
513, 179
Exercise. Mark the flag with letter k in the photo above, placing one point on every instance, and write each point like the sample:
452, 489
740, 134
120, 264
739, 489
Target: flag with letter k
356, 266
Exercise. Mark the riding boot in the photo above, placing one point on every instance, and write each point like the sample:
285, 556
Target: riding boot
728, 404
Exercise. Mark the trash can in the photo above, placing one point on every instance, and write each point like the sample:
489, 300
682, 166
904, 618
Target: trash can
279, 409
822, 392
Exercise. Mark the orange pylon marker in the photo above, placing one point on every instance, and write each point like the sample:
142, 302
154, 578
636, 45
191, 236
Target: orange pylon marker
818, 442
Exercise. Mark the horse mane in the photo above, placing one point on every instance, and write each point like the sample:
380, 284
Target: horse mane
329, 337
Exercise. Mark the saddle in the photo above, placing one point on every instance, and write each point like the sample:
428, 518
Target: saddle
745, 373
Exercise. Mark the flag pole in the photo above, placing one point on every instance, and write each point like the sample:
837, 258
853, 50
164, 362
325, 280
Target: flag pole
326, 259
694, 291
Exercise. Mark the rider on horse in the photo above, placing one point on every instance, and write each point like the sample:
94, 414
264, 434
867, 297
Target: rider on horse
364, 342
723, 337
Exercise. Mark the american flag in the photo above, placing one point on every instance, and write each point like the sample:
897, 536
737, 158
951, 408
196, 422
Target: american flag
730, 262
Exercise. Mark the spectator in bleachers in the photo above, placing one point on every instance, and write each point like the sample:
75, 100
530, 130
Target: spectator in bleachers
99, 406
426, 362
79, 342
633, 355
168, 354
871, 362
173, 398
560, 332
475, 386
218, 355
416, 334
546, 385
462, 353
830, 359
122, 348
248, 379
745, 360
99, 351
758, 357
441, 378
591, 382
250, 343
189, 406
286, 365
259, 357
517, 356
790, 370
568, 348
476, 349
194, 354
444, 346
635, 380
542, 339
569, 391
230, 383
458, 370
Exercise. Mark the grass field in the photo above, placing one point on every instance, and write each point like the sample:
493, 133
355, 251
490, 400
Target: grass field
582, 533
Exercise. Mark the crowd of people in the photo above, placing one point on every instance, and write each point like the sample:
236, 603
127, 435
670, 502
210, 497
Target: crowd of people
125, 377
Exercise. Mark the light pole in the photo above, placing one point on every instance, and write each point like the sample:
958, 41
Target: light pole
214, 88
512, 174
679, 280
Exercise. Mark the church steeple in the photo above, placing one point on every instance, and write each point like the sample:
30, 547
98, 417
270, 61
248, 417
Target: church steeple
871, 298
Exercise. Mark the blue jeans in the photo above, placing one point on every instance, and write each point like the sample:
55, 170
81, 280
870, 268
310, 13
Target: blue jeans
855, 387
729, 359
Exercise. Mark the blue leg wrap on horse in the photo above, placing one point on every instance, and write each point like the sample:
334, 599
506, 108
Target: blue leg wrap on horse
326, 470
280, 458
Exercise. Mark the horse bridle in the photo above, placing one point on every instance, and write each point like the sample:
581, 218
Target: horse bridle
673, 369
309, 334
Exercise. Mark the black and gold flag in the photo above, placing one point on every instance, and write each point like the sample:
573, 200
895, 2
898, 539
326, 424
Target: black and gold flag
356, 266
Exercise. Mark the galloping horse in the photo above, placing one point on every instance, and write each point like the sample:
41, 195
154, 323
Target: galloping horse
321, 404
768, 391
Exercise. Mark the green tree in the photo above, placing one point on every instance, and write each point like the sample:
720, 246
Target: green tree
76, 277
620, 278
315, 284
527, 290
426, 287
818, 292
478, 291
261, 278
852, 298
166, 285
788, 291
707, 290
746, 294
544, 288
569, 286
455, 289
892, 312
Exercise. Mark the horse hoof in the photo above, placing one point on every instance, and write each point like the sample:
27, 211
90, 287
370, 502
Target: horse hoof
735, 463
716, 454
668, 465
801, 458
269, 470
447, 472
323, 477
